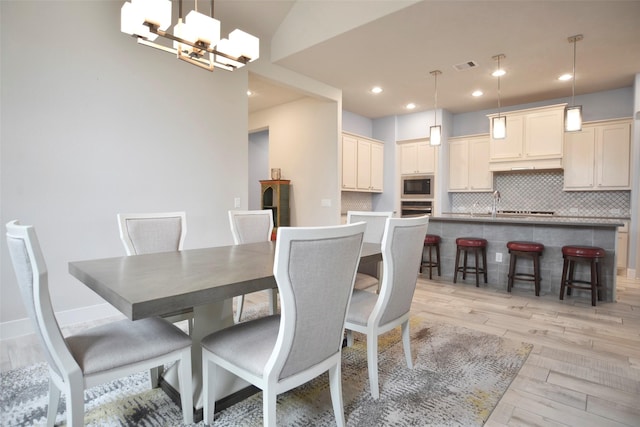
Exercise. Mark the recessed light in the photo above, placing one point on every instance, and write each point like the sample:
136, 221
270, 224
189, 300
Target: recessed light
376, 89
499, 73
410, 106
477, 93
249, 93
565, 77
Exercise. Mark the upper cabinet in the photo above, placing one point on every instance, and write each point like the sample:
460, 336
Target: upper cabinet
417, 157
362, 164
534, 140
598, 157
469, 164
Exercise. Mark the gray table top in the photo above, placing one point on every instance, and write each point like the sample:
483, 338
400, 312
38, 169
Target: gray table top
155, 284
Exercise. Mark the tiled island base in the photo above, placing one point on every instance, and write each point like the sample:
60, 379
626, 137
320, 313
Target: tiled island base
553, 233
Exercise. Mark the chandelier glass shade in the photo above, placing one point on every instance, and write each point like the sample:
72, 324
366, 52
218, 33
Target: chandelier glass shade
196, 39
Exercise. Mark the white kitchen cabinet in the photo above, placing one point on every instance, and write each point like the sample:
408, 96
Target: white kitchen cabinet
534, 140
417, 158
598, 157
362, 164
469, 164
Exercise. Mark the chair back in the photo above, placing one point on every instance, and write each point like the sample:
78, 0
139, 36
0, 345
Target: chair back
402, 246
315, 268
144, 233
375, 223
251, 226
32, 276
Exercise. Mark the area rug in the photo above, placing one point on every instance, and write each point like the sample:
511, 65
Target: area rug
459, 376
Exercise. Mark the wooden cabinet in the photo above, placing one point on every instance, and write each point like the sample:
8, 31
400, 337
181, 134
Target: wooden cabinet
275, 196
362, 164
598, 157
534, 140
469, 164
417, 157
622, 247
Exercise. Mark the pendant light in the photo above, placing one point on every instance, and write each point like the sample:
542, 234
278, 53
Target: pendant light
573, 114
435, 131
499, 123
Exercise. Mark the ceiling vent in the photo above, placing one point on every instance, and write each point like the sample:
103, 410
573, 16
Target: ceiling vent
466, 65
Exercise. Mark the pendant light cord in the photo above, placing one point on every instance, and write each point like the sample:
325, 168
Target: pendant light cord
499, 86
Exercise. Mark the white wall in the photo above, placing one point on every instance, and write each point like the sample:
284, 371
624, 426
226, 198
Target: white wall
94, 124
303, 143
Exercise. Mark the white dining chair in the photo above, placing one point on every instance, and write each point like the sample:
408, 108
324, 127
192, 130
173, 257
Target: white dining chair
97, 355
144, 233
315, 269
252, 226
375, 229
373, 314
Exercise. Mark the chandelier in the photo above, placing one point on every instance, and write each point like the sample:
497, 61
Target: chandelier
196, 39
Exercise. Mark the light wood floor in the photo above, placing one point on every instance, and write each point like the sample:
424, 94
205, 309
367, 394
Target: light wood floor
584, 369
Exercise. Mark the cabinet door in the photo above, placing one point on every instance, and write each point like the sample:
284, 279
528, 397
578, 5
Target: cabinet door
543, 134
349, 162
622, 249
579, 159
409, 158
509, 148
426, 158
364, 165
377, 167
479, 176
458, 165
613, 145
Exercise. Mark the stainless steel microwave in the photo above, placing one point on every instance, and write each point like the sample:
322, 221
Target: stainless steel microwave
417, 187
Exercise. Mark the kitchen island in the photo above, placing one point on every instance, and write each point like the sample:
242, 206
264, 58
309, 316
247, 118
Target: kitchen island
553, 231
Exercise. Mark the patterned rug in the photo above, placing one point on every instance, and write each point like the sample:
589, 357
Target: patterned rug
459, 376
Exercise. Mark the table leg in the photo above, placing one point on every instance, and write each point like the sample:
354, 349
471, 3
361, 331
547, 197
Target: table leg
207, 319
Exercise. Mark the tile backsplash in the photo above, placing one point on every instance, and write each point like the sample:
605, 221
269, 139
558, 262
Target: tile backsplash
355, 201
542, 191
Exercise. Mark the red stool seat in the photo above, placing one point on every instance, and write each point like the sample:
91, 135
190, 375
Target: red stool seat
475, 245
574, 254
431, 241
583, 251
525, 246
525, 249
471, 242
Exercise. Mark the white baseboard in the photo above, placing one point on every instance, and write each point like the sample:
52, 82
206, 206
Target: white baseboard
21, 327
631, 273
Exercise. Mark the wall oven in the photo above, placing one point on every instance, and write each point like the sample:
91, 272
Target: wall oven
417, 187
411, 208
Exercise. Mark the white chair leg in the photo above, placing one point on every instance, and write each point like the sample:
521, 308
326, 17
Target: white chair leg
208, 388
372, 364
75, 404
335, 384
54, 399
239, 304
349, 338
269, 407
185, 382
406, 343
154, 376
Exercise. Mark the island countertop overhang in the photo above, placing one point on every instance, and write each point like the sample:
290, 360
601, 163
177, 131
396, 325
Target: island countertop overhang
564, 221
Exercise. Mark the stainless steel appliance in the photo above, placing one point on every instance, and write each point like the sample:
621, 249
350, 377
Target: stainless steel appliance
417, 187
411, 208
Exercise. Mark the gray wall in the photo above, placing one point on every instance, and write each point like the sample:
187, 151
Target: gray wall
258, 166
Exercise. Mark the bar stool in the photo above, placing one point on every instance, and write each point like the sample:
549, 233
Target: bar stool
573, 254
475, 245
531, 250
431, 241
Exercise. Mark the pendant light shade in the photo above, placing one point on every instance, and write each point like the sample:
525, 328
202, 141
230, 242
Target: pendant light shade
435, 131
499, 123
573, 114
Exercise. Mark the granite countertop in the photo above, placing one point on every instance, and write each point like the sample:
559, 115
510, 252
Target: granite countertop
533, 219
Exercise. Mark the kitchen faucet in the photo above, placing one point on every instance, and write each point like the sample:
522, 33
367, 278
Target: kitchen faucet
496, 200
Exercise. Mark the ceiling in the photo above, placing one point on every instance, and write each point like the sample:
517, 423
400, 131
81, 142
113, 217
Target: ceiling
398, 51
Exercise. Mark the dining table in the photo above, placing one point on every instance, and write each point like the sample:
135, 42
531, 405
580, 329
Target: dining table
204, 280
